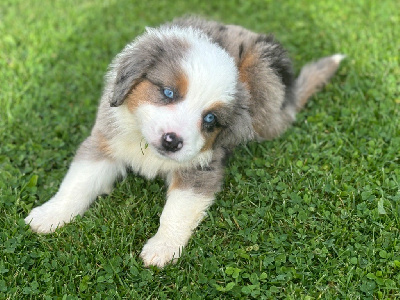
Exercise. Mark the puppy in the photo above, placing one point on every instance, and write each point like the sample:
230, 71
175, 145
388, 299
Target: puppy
176, 101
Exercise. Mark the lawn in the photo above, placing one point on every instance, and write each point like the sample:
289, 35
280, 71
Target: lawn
314, 214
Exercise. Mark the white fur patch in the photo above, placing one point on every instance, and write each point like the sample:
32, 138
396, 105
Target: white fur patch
337, 58
182, 213
84, 181
211, 72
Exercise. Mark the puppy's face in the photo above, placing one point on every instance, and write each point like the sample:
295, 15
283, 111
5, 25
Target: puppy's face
184, 97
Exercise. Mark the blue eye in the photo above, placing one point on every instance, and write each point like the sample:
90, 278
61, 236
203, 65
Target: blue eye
209, 118
168, 93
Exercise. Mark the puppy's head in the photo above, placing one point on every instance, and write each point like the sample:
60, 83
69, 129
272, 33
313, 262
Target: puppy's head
183, 91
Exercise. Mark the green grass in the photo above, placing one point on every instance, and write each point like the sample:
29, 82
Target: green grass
314, 214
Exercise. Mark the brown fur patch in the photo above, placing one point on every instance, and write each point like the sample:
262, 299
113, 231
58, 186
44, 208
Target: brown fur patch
143, 92
249, 60
182, 84
211, 136
216, 107
176, 182
147, 92
95, 147
103, 144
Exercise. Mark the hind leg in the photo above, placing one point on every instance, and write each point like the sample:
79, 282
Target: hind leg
270, 127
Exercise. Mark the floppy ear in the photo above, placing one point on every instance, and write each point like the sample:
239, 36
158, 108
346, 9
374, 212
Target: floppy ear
135, 61
130, 67
240, 128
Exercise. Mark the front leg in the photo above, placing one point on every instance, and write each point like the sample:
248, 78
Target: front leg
190, 193
91, 173
181, 215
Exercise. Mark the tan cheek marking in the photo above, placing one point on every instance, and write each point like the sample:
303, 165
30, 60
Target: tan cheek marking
210, 139
143, 92
211, 136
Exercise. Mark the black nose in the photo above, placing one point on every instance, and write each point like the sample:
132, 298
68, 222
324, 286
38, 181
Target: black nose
171, 142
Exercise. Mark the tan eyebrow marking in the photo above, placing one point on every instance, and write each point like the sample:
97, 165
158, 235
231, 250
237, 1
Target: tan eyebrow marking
143, 92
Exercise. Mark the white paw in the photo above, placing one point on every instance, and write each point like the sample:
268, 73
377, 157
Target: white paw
48, 217
160, 251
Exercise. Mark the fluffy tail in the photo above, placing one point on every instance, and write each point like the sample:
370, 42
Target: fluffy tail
314, 76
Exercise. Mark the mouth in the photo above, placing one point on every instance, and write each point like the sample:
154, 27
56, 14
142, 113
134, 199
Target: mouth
162, 153
171, 156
